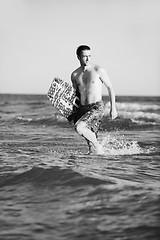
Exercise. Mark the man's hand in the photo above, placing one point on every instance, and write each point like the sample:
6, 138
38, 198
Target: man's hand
113, 113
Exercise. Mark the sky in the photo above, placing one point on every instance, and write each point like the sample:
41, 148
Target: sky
39, 39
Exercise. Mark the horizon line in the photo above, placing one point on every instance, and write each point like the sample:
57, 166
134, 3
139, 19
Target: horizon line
117, 95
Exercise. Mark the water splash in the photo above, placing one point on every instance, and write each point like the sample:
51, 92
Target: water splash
120, 146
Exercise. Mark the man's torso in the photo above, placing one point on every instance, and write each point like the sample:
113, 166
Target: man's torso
89, 84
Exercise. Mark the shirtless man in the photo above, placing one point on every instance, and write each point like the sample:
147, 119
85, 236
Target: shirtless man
88, 80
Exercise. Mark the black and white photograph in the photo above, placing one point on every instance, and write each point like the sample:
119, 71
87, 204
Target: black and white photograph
79, 119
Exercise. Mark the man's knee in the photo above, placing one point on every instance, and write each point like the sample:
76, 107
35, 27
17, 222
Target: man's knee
80, 127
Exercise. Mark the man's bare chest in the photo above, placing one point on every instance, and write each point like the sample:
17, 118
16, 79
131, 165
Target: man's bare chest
87, 77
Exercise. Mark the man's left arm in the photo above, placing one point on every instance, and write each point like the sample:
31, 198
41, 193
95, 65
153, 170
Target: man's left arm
106, 80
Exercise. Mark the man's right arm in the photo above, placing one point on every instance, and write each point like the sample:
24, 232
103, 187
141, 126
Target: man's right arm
74, 85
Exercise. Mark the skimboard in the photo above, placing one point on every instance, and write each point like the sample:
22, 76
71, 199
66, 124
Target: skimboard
63, 97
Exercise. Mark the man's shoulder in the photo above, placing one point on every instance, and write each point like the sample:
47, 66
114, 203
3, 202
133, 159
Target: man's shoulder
76, 70
98, 68
74, 74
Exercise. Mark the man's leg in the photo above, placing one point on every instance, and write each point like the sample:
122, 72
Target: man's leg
89, 146
90, 136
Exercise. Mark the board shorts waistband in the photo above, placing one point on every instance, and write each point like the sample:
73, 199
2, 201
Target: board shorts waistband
97, 104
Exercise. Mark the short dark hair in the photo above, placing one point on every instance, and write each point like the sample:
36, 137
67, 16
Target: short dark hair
81, 48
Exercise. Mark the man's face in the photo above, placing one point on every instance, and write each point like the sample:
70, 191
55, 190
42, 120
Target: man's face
85, 57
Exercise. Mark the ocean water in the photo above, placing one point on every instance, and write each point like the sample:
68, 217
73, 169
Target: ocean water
50, 189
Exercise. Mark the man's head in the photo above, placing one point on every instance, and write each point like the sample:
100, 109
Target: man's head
84, 54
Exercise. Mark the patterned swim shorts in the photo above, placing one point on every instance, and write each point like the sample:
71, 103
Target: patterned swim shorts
91, 114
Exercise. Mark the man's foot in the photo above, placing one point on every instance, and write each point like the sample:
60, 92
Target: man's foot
99, 149
90, 152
